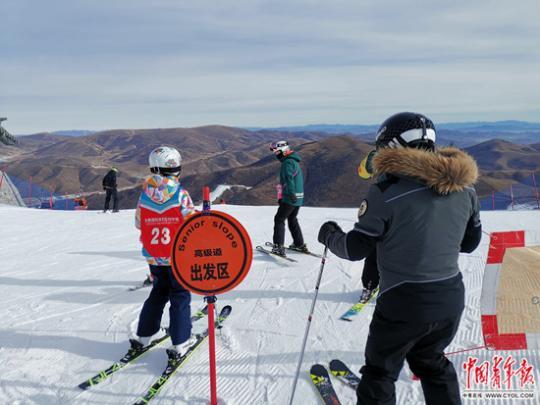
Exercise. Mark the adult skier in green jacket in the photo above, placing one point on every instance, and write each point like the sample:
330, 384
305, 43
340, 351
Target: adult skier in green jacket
290, 198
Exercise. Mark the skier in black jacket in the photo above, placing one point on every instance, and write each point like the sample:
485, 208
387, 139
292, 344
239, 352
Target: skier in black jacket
110, 187
420, 214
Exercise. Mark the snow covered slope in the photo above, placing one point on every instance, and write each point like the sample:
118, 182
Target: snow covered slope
65, 312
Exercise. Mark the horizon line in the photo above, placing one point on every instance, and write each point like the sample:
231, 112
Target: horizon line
256, 128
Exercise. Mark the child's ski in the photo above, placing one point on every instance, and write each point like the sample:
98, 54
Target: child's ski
131, 356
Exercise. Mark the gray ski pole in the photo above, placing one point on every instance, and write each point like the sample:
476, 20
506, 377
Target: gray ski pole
323, 261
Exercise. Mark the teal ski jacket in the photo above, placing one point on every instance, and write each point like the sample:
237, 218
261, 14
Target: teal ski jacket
291, 180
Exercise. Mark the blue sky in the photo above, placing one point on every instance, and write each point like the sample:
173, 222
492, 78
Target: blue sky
67, 64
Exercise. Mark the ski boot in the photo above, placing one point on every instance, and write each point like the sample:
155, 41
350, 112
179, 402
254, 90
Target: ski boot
366, 295
299, 248
176, 352
138, 342
148, 281
136, 346
278, 250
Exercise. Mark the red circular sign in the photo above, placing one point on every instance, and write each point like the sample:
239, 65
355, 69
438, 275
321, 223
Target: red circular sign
212, 253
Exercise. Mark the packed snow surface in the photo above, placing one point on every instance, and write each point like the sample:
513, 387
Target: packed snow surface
65, 313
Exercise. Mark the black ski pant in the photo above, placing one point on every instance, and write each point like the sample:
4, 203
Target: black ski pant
165, 288
422, 345
287, 212
370, 274
111, 192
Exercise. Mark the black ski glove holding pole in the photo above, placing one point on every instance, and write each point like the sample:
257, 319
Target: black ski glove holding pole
326, 231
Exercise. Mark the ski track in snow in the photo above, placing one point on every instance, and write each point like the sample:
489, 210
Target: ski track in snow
66, 313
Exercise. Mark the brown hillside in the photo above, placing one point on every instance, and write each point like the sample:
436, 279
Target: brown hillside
330, 175
504, 164
502, 155
77, 164
214, 155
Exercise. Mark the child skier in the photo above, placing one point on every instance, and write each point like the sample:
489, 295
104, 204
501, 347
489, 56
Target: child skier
162, 207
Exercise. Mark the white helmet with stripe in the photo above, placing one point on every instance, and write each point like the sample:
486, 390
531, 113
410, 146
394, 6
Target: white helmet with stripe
165, 160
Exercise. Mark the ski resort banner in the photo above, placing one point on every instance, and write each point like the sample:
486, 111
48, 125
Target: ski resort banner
510, 303
212, 253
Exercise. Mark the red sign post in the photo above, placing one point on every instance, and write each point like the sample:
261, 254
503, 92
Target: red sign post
211, 254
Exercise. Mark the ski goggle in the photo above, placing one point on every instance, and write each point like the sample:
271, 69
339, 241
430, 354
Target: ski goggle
279, 144
365, 169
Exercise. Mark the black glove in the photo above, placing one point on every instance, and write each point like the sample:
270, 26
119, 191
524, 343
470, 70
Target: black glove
293, 198
327, 229
279, 201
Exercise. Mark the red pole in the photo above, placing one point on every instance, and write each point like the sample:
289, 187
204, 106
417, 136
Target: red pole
206, 198
51, 202
467, 350
212, 350
211, 322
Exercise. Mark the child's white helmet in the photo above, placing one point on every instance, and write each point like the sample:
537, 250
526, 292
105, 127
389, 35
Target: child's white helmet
165, 159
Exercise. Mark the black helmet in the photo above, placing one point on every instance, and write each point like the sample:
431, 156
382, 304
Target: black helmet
408, 130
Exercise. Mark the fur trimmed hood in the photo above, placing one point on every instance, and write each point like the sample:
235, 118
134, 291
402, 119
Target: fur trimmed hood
446, 170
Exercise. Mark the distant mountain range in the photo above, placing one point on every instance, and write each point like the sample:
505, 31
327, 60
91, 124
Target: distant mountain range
461, 134
214, 155
474, 126
66, 165
515, 129
74, 132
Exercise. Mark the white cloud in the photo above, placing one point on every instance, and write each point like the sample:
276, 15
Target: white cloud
90, 64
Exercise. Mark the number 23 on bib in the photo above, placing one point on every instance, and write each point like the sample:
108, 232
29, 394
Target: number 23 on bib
158, 228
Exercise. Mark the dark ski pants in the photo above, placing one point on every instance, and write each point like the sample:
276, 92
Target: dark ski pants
165, 288
287, 212
111, 192
370, 274
422, 344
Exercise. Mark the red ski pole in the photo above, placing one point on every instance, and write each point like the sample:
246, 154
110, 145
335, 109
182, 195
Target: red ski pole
210, 300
